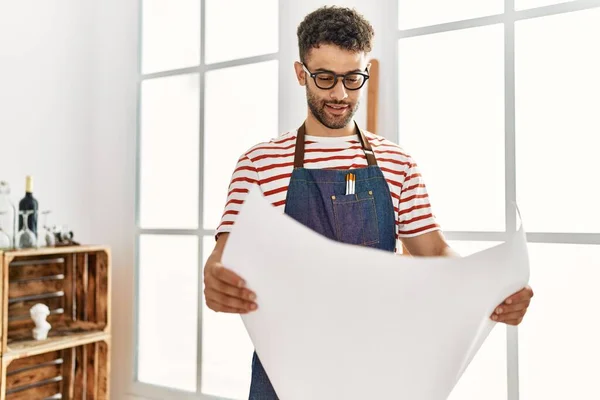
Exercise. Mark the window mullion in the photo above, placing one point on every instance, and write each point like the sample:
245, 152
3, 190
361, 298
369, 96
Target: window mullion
512, 334
200, 195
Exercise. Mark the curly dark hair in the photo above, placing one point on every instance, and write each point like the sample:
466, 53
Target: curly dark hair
340, 26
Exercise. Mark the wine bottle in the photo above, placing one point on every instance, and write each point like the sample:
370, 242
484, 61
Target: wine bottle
29, 203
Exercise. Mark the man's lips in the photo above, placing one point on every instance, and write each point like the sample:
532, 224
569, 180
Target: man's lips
337, 109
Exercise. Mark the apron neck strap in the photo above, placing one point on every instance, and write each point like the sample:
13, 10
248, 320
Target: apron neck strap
299, 155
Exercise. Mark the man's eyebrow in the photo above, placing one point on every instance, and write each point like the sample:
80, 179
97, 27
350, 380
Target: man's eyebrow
328, 70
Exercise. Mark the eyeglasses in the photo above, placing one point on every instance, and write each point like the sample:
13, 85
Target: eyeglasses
327, 79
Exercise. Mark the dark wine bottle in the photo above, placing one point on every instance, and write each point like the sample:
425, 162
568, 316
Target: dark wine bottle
28, 203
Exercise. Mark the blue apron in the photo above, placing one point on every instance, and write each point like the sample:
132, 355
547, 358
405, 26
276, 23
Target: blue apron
317, 198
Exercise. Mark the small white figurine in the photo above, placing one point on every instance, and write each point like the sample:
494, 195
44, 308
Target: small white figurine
38, 313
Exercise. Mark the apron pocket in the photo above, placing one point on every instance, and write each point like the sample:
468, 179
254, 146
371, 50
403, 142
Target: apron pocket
355, 218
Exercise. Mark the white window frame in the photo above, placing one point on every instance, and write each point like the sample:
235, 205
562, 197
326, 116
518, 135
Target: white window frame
508, 18
137, 388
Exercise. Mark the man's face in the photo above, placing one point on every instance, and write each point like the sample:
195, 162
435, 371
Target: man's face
334, 108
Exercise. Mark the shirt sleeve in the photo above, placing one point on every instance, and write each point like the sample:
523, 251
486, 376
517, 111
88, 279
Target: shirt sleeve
244, 176
415, 216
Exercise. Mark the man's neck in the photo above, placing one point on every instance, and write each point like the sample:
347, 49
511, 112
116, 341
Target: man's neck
315, 128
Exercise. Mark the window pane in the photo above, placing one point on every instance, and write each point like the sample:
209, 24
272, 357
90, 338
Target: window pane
557, 103
241, 111
170, 34
466, 248
523, 4
252, 30
169, 152
168, 311
226, 349
559, 354
452, 122
417, 13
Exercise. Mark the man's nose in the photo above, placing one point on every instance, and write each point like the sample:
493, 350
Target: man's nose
338, 92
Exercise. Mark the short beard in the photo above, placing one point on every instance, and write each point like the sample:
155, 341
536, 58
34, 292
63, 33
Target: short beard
317, 108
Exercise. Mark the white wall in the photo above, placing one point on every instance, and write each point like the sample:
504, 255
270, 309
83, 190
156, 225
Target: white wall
45, 106
67, 117
114, 126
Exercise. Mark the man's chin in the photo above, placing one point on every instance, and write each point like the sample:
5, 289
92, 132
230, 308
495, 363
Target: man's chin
337, 123
336, 126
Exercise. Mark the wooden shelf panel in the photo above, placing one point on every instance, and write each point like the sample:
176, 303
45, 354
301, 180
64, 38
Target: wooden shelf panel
46, 251
34, 347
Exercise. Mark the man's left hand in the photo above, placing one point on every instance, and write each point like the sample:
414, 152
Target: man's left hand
513, 309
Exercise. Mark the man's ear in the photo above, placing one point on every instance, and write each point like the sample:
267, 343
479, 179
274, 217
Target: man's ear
300, 73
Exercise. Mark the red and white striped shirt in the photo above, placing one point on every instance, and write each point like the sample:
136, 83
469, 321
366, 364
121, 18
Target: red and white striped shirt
270, 166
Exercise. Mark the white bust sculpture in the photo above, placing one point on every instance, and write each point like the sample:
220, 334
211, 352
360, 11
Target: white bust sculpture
39, 313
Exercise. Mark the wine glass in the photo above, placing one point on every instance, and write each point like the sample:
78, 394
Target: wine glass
48, 238
5, 242
26, 238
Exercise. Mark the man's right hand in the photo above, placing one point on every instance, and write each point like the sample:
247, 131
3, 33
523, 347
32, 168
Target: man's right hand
224, 290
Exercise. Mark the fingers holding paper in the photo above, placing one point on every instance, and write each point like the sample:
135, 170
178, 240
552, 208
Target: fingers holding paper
224, 290
514, 308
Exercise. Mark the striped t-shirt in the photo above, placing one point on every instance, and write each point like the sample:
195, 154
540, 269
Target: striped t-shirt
270, 166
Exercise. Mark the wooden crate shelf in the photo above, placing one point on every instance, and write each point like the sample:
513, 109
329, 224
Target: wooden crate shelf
73, 363
72, 281
78, 371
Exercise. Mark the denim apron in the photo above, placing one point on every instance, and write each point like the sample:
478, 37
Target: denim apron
317, 198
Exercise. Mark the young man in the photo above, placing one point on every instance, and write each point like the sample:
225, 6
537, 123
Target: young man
303, 173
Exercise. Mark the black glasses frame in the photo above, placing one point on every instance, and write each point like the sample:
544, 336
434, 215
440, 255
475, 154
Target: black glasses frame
336, 77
